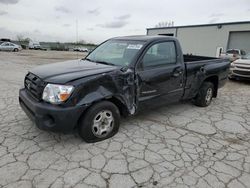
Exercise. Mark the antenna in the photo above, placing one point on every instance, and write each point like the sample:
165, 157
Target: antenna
77, 36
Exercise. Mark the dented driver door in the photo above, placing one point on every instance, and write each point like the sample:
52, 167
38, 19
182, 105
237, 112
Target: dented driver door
160, 74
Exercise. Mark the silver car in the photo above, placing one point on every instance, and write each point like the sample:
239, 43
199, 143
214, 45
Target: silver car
80, 49
9, 46
240, 68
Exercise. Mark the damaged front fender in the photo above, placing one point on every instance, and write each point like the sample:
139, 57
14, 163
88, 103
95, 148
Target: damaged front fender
117, 87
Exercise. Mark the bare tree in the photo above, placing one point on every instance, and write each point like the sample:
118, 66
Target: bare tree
22, 40
19, 38
27, 39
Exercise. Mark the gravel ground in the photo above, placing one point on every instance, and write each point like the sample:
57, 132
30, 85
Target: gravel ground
179, 145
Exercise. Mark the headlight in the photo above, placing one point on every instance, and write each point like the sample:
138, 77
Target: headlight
232, 65
57, 94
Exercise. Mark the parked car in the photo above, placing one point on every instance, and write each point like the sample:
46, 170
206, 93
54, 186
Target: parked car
34, 45
120, 77
240, 68
233, 54
9, 46
80, 49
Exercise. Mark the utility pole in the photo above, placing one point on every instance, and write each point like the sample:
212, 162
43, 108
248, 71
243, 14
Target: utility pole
77, 36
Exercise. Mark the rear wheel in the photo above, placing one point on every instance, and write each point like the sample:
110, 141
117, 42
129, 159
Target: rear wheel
205, 95
100, 122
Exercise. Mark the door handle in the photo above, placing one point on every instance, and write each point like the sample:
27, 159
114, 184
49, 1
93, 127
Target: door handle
177, 73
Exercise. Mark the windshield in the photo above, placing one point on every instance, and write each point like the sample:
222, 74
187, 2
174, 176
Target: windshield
116, 52
233, 52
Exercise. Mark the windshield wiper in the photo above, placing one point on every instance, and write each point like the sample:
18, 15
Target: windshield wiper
101, 62
105, 63
89, 59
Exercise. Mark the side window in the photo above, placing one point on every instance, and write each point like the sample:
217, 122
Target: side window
160, 54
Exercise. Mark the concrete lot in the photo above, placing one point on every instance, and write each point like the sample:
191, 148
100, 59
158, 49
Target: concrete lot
180, 145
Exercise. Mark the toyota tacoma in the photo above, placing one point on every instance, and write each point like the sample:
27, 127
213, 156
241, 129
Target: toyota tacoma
120, 77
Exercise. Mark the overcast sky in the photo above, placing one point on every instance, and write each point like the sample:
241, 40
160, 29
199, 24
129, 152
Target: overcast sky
55, 20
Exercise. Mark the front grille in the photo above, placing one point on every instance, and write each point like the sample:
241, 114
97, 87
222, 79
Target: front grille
34, 86
247, 73
242, 67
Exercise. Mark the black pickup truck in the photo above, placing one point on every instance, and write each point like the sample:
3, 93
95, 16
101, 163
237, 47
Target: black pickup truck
120, 77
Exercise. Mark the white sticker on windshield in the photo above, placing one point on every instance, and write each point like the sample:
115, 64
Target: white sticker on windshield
134, 46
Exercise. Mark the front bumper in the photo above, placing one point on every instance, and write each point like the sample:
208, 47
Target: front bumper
239, 72
48, 116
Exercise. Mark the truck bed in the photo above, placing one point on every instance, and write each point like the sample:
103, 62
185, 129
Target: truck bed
193, 61
198, 67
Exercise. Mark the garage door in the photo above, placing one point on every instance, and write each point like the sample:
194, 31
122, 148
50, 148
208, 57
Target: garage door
239, 40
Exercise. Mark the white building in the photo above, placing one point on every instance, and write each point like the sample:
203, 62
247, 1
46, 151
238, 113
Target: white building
209, 39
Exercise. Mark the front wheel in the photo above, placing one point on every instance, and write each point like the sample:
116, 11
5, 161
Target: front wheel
15, 50
100, 122
205, 95
231, 78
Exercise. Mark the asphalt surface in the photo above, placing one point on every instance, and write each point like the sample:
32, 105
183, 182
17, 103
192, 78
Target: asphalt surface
179, 145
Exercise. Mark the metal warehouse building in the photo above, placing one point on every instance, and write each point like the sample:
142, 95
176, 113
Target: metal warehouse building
209, 39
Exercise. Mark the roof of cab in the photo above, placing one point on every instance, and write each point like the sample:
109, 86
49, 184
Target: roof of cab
145, 38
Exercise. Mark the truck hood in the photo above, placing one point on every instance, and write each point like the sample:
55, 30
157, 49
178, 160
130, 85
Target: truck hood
242, 61
64, 72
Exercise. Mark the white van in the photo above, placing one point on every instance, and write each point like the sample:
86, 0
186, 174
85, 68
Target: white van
34, 45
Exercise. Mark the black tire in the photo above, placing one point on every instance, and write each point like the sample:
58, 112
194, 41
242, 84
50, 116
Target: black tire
87, 129
15, 50
231, 77
205, 95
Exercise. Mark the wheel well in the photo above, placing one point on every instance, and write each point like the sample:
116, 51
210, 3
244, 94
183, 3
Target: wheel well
215, 81
122, 108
